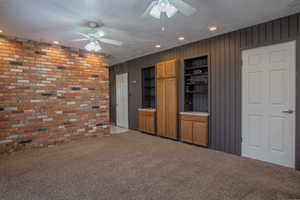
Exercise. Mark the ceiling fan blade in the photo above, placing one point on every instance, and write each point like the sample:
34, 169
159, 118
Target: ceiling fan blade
150, 7
84, 35
109, 41
78, 40
183, 7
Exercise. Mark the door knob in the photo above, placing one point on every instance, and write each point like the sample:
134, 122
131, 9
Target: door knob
288, 111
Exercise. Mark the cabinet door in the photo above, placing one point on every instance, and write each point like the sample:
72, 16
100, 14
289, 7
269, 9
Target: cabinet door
141, 121
171, 107
200, 133
160, 107
160, 70
150, 124
170, 68
186, 128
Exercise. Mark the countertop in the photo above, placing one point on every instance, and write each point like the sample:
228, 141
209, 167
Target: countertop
147, 109
203, 114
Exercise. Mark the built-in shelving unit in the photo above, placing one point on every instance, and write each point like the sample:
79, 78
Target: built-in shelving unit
148, 87
196, 80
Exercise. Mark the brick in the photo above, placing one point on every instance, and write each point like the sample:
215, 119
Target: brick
18, 125
35, 101
47, 94
23, 81
15, 63
25, 141
51, 79
6, 141
16, 70
48, 119
42, 129
39, 84
11, 108
41, 53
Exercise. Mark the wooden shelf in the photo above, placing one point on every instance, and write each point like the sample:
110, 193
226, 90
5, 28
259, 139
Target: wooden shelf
148, 87
202, 74
193, 68
193, 84
196, 84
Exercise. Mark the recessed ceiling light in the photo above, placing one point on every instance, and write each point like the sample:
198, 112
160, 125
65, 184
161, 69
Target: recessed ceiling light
56, 42
213, 28
181, 38
1, 31
157, 46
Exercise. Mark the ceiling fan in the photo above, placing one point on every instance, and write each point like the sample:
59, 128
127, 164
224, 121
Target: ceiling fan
169, 8
95, 37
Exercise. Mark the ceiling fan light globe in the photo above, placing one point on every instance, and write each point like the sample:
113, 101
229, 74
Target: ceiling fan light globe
156, 12
170, 10
100, 34
93, 47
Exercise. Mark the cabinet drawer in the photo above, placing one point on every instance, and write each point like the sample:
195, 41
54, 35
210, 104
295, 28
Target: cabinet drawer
194, 118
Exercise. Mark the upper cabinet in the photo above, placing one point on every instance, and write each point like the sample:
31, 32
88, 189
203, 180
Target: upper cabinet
167, 69
160, 70
171, 69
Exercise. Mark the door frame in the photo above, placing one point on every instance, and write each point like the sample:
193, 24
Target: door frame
127, 119
296, 41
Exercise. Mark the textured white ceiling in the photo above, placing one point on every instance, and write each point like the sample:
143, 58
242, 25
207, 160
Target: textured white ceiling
49, 20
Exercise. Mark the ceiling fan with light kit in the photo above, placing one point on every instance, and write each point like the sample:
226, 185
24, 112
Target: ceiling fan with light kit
169, 8
95, 37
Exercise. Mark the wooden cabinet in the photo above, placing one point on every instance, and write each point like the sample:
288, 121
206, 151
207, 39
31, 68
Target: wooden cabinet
147, 121
194, 128
167, 98
160, 70
160, 106
200, 133
186, 131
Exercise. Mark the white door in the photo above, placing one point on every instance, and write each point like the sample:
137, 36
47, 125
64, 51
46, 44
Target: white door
122, 100
268, 118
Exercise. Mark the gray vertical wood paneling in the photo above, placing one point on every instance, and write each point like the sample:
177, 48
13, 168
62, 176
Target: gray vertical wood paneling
262, 33
293, 23
277, 29
225, 77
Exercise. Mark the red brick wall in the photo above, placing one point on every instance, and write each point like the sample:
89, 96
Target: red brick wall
50, 94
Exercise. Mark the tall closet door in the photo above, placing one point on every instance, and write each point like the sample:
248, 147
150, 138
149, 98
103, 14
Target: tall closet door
160, 89
171, 107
